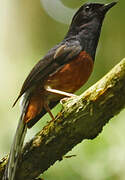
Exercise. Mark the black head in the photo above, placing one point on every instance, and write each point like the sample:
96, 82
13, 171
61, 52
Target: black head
93, 13
86, 25
90, 11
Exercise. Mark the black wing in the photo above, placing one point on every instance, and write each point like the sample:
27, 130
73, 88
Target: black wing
51, 63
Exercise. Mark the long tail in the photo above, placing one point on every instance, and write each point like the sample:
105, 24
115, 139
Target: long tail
16, 147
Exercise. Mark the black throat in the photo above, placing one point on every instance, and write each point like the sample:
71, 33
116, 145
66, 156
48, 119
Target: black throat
87, 34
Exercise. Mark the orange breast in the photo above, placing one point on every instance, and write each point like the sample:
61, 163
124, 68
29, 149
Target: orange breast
73, 75
69, 79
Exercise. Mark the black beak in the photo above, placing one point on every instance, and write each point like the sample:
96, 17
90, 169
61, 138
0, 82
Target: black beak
106, 7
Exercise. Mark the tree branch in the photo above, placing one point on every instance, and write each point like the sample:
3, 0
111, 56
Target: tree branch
82, 118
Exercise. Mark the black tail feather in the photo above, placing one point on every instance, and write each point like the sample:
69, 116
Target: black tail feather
16, 148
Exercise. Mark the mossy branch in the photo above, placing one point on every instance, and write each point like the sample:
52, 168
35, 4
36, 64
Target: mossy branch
82, 118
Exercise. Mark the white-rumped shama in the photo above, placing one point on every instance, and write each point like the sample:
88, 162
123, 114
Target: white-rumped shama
61, 72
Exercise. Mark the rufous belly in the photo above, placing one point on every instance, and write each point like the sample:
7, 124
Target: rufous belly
68, 79
73, 75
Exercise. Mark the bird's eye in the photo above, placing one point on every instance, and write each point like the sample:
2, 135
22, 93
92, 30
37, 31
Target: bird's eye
87, 8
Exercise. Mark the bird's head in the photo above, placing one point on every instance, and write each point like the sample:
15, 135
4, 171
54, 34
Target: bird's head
90, 11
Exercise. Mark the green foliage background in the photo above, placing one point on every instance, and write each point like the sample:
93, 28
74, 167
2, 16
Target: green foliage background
26, 34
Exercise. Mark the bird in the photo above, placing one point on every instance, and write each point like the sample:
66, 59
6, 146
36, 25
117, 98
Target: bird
61, 72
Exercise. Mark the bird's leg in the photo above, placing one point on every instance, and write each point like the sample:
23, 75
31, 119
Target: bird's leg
46, 106
58, 92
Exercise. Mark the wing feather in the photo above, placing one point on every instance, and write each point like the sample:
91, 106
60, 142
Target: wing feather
51, 63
